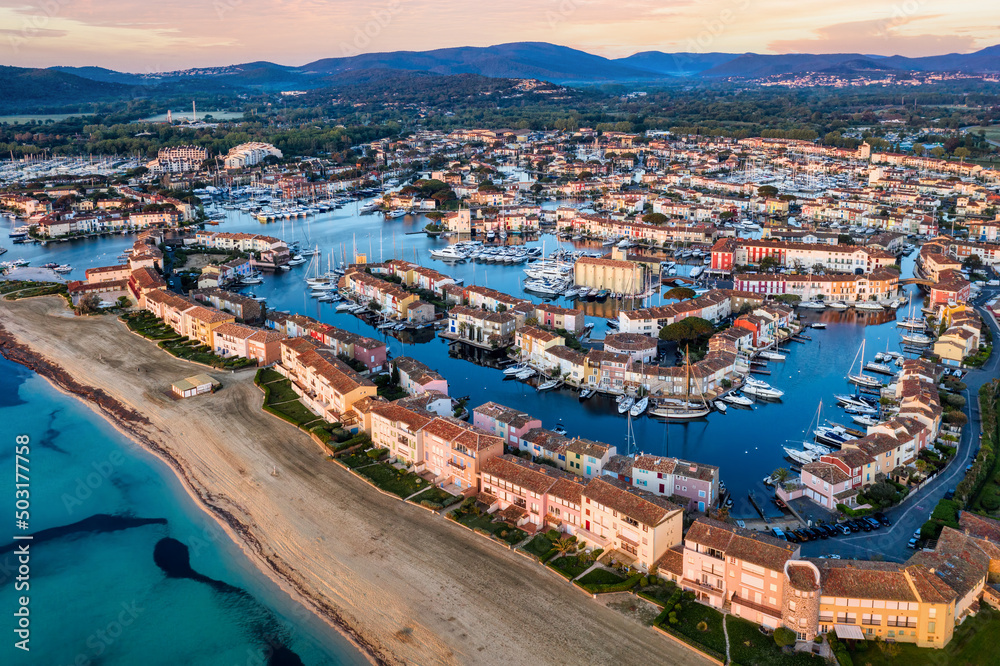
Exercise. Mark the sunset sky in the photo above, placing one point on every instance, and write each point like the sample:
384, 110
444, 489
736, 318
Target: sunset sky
144, 36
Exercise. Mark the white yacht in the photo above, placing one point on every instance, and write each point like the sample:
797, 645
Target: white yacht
760, 389
449, 253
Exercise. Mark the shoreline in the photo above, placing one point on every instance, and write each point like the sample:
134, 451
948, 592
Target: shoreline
123, 419
400, 584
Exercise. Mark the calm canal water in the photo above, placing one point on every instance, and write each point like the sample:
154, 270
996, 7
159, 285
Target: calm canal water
745, 444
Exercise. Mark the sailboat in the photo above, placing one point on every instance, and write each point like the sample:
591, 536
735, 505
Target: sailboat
911, 323
682, 410
860, 378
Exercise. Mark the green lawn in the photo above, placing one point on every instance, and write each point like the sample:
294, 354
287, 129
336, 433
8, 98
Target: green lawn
267, 375
392, 480
749, 647
601, 577
658, 594
502, 531
436, 496
356, 459
974, 643
570, 566
30, 292
690, 615
540, 545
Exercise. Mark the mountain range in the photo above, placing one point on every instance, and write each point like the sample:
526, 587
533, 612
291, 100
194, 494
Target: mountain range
558, 64
520, 60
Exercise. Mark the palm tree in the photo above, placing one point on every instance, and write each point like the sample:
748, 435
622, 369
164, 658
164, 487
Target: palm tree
564, 546
780, 475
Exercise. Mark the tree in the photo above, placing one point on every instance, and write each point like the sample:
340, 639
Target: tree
768, 264
780, 475
89, 304
654, 218
680, 294
564, 546
783, 636
972, 262
962, 153
767, 191
690, 328
123, 302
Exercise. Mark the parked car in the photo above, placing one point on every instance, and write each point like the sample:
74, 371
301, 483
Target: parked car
791, 538
859, 524
803, 536
827, 530
883, 521
776, 531
844, 529
950, 494
820, 534
912, 543
871, 521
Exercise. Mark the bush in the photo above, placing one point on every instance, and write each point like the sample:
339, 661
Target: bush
375, 454
956, 418
783, 636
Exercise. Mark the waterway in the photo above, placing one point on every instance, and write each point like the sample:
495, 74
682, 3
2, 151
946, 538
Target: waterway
745, 444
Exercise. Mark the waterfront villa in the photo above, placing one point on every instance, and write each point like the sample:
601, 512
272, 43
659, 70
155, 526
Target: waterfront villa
327, 385
504, 422
692, 485
530, 494
416, 378
454, 452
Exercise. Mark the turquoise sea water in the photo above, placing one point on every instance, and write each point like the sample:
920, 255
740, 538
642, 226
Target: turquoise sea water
96, 595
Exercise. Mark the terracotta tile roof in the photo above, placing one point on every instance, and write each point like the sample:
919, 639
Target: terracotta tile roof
644, 507
748, 545
395, 413
802, 577
672, 561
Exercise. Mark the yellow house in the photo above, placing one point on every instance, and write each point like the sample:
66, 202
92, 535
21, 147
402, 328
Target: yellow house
534, 342
896, 602
199, 323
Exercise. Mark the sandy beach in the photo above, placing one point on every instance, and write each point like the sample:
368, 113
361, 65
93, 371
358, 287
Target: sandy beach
406, 585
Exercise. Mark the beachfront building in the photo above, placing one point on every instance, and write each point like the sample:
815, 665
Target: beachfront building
260, 344
327, 385
454, 452
619, 277
722, 563
528, 494
398, 429
639, 526
246, 309
416, 378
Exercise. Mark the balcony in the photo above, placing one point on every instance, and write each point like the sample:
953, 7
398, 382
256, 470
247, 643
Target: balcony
456, 465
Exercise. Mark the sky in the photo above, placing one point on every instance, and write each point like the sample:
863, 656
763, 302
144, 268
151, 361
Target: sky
145, 36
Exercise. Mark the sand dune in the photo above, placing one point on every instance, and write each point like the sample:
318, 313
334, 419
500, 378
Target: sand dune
406, 585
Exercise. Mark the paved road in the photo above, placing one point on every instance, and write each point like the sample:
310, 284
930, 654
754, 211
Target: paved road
890, 543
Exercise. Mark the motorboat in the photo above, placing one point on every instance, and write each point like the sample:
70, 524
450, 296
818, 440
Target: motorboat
735, 399
881, 368
855, 400
559, 429
251, 279
720, 406
837, 305
869, 305
760, 389
772, 355
834, 435
63, 268
297, 260
587, 393
549, 385
812, 305
818, 324
864, 420
513, 370
799, 455
449, 253
527, 373
639, 408
817, 448
344, 307
916, 339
